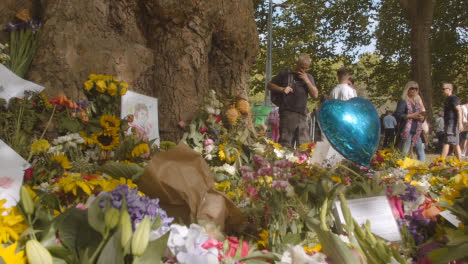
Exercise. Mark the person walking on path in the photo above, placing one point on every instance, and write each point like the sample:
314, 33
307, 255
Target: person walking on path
453, 118
464, 134
294, 86
389, 123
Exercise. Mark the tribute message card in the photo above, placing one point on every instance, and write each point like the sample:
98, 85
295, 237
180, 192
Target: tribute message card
378, 211
11, 174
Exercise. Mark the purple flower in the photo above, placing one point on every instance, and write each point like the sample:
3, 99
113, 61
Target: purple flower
264, 172
284, 164
138, 207
259, 160
248, 176
411, 194
280, 184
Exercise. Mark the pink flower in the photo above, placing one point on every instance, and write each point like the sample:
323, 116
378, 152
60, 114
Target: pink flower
302, 157
212, 243
397, 207
81, 207
182, 124
252, 191
203, 129
208, 142
233, 243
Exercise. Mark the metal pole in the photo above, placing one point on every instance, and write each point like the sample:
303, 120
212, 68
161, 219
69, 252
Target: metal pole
267, 101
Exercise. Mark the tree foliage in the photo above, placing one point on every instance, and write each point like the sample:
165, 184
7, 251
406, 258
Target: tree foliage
328, 30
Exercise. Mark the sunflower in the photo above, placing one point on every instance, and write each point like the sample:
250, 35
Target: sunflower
11, 223
107, 139
40, 146
140, 149
110, 122
61, 159
88, 141
9, 254
101, 86
112, 89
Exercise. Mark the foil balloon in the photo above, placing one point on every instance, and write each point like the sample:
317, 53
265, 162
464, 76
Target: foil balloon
352, 127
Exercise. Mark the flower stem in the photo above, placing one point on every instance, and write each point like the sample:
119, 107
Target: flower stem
99, 248
43, 132
350, 170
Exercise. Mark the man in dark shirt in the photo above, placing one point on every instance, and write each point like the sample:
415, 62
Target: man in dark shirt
452, 121
294, 100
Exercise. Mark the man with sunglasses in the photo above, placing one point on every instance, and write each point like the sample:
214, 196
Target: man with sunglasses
452, 121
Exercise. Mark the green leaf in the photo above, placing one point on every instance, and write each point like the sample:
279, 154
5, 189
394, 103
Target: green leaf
75, 232
120, 170
96, 215
292, 239
59, 261
112, 252
444, 255
154, 252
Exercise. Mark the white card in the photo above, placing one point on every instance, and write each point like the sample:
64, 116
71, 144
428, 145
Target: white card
13, 86
378, 211
449, 216
11, 174
145, 112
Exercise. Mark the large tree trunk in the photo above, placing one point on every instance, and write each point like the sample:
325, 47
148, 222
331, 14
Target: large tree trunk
175, 50
419, 14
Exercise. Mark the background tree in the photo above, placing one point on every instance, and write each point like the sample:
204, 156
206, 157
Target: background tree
329, 31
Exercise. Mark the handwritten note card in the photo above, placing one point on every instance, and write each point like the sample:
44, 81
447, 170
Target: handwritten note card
378, 211
11, 174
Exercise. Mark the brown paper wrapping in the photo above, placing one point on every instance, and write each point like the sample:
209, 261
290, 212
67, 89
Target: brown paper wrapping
183, 182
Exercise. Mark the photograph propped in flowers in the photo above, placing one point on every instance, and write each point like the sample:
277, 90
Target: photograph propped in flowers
143, 112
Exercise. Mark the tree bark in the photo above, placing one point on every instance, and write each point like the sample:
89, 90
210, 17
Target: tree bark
420, 14
175, 50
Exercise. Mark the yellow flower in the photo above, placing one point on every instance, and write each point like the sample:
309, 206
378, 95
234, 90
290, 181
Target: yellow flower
223, 186
275, 145
434, 181
101, 86
141, 149
263, 242
11, 223
88, 141
61, 159
265, 180
439, 160
93, 77
313, 250
10, 256
336, 179
110, 122
46, 101
127, 162
72, 182
123, 88
407, 163
107, 139
40, 146
110, 184
112, 89
88, 85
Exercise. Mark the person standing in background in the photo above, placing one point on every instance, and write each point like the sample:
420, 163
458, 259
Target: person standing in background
453, 121
389, 123
439, 131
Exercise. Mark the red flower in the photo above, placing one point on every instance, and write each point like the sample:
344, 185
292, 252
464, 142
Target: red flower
203, 129
218, 118
28, 174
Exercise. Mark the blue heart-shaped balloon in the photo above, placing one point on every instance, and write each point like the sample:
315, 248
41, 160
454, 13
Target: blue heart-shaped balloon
352, 127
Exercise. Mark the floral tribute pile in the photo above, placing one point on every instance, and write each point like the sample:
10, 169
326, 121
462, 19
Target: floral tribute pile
80, 202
